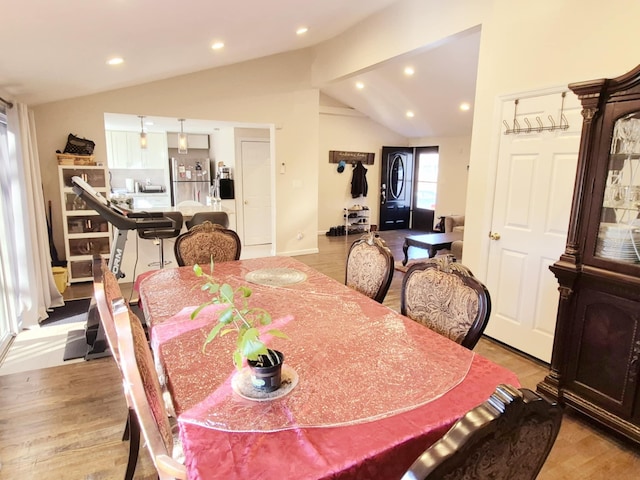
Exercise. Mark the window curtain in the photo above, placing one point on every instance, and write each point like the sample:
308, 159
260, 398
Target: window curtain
8, 315
29, 288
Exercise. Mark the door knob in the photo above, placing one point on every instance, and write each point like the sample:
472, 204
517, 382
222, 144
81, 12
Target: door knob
494, 236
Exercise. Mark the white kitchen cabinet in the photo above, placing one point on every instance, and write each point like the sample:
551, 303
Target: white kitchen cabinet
85, 232
194, 140
123, 150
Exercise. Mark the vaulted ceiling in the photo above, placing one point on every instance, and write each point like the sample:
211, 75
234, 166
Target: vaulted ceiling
58, 50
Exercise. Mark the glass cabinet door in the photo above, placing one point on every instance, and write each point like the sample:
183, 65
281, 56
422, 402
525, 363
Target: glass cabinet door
619, 232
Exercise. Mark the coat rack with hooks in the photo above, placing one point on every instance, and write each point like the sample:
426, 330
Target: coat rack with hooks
516, 128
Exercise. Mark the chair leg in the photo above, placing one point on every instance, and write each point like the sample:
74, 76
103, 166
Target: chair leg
126, 433
161, 253
134, 444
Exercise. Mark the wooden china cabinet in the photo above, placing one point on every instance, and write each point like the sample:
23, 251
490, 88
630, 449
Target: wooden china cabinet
596, 353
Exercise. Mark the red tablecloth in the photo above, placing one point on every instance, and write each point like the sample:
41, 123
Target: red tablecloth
375, 388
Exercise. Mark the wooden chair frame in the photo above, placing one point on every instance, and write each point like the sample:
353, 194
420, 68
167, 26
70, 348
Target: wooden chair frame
448, 265
376, 244
504, 419
166, 465
103, 305
203, 229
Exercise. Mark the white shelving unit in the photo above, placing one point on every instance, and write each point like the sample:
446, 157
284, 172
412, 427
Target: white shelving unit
85, 231
356, 220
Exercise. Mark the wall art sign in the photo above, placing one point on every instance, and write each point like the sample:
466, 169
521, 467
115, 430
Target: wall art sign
337, 156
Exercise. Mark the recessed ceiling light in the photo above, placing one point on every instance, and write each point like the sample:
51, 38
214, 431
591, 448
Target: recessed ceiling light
359, 85
302, 31
409, 71
217, 45
115, 61
464, 106
410, 114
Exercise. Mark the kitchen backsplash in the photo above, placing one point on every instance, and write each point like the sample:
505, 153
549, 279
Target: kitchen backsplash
154, 177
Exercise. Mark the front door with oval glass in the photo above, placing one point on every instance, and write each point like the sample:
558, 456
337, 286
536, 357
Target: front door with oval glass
396, 187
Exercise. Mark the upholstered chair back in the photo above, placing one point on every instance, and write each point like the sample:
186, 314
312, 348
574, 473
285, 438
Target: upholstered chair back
369, 267
507, 437
445, 296
204, 241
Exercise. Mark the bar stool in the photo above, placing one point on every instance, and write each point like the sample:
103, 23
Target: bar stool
159, 234
221, 218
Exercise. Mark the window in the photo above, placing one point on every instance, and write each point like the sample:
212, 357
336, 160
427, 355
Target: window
427, 178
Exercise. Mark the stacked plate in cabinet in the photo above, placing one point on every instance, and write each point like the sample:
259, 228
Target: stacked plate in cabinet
619, 242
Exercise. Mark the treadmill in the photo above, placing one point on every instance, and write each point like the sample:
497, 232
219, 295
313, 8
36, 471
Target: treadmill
121, 221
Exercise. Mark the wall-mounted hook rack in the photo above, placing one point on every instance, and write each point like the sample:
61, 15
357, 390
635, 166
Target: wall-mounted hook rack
562, 124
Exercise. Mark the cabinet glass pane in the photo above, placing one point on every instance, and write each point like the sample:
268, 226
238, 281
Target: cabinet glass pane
81, 268
94, 177
619, 234
88, 246
87, 224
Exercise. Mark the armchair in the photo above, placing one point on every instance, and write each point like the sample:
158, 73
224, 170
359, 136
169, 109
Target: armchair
455, 223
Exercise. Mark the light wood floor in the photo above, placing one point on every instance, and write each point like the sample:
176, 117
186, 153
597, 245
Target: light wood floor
67, 422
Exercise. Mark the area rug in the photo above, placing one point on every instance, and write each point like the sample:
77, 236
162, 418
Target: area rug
71, 312
76, 345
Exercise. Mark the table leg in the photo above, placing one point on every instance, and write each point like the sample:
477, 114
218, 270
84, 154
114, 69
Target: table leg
405, 249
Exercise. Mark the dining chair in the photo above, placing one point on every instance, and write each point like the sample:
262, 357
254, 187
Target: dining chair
221, 218
369, 268
105, 290
160, 234
143, 386
507, 437
443, 295
202, 242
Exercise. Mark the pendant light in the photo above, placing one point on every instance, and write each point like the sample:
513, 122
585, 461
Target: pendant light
143, 134
182, 138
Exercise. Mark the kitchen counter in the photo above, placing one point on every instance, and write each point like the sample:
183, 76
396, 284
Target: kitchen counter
139, 253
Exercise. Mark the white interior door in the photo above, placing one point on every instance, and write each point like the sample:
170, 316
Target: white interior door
256, 189
534, 188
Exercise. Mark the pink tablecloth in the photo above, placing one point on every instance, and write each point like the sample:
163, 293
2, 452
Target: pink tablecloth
375, 388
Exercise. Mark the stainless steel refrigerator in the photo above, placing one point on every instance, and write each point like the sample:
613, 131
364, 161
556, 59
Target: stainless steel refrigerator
190, 179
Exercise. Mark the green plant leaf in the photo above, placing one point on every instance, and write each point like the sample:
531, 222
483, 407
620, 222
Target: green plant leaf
277, 333
245, 291
226, 292
265, 318
226, 316
195, 313
197, 270
237, 359
251, 346
212, 334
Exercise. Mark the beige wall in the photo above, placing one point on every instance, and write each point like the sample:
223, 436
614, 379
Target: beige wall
270, 91
533, 45
524, 46
353, 134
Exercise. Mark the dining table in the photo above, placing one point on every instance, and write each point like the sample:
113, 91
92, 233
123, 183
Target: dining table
367, 389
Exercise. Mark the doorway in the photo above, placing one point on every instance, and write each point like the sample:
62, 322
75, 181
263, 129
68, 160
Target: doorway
396, 188
531, 207
425, 188
256, 192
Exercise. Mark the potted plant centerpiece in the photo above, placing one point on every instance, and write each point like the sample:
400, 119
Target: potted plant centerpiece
238, 317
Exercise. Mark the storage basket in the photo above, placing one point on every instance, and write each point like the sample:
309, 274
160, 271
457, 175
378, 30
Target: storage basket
67, 159
60, 277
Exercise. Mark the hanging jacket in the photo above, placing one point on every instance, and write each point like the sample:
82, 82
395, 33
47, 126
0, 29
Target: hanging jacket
359, 181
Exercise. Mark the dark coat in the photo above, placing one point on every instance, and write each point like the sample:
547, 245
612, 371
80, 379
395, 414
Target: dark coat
359, 181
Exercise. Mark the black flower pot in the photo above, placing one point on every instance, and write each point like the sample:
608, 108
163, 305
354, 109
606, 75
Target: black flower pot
266, 372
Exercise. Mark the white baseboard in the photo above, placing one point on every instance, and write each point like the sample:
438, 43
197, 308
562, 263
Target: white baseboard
293, 253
